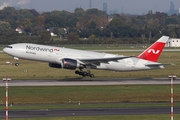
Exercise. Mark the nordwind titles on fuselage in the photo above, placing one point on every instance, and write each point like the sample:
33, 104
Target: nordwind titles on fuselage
28, 47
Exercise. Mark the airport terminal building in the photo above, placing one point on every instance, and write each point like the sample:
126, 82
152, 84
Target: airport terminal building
173, 42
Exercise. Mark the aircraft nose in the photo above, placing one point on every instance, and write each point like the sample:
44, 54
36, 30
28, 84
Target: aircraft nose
9, 50
4, 50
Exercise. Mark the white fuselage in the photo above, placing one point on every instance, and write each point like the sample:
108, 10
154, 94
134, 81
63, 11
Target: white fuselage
55, 55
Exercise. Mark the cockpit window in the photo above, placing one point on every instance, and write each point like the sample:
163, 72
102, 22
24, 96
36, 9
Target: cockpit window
9, 46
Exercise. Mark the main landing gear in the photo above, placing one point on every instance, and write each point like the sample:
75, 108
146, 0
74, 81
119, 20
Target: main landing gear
84, 73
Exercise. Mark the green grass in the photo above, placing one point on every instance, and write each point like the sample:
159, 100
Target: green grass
109, 117
41, 70
90, 94
115, 48
105, 48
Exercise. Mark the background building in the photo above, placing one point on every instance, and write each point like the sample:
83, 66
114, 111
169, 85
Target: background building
173, 42
172, 10
105, 7
90, 4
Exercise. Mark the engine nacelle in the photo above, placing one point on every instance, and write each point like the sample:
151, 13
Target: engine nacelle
55, 65
66, 63
70, 64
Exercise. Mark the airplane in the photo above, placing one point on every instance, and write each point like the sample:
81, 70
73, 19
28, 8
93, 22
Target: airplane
66, 58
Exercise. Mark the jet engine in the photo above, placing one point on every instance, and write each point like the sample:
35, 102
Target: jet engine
70, 64
55, 65
66, 63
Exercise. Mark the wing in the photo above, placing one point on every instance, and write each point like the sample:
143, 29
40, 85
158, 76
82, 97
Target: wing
97, 61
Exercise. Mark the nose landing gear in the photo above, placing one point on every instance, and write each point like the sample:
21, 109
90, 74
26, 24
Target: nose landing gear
16, 64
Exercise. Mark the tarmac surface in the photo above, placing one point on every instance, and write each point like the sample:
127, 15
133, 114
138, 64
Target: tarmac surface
88, 112
80, 81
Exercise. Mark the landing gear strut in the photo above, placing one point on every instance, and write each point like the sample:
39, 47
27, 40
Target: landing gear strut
16, 64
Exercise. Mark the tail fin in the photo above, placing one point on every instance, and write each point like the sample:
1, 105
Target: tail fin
154, 51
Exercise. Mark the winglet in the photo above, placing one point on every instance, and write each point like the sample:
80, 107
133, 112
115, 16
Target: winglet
154, 51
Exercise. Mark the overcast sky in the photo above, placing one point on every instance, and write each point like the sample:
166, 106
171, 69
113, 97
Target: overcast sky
128, 6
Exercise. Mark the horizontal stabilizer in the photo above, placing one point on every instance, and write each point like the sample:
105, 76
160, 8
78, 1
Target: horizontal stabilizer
158, 64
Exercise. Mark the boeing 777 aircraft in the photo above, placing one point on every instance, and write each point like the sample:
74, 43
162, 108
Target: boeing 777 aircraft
59, 57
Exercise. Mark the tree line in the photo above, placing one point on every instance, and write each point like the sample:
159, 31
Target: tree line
90, 26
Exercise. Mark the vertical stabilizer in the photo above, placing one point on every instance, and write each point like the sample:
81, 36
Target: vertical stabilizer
154, 51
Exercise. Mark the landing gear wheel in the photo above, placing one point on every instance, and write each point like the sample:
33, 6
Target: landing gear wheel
88, 74
16, 64
76, 72
80, 73
84, 74
91, 75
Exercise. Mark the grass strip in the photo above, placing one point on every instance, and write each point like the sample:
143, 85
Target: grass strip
90, 94
115, 48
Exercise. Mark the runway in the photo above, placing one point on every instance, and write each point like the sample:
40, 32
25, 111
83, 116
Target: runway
81, 81
89, 112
